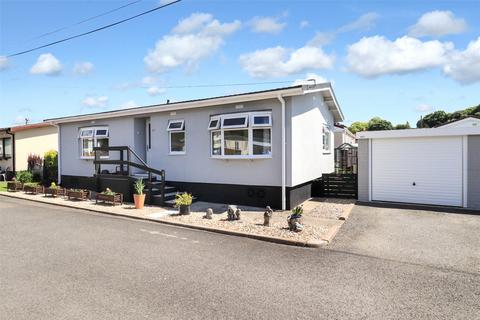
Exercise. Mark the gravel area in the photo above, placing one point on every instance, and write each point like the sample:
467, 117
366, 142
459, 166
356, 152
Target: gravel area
320, 215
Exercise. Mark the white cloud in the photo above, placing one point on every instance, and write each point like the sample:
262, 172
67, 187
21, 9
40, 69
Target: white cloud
267, 25
3, 63
83, 68
303, 24
194, 38
279, 61
365, 22
438, 23
129, 104
155, 90
95, 102
149, 80
423, 108
46, 64
464, 66
374, 56
307, 80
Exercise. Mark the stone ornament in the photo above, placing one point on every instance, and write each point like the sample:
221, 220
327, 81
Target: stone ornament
233, 213
266, 216
209, 214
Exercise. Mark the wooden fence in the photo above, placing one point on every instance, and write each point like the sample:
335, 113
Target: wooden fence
336, 186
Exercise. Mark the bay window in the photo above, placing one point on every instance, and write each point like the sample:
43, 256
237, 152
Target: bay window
93, 137
176, 134
243, 135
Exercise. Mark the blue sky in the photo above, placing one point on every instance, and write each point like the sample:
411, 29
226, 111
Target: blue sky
394, 59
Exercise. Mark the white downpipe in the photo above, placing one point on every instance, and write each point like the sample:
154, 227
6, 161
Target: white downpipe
59, 161
284, 188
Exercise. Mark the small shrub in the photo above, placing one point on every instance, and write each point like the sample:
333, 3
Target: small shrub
108, 192
34, 161
297, 211
139, 186
37, 176
50, 167
24, 176
53, 185
183, 199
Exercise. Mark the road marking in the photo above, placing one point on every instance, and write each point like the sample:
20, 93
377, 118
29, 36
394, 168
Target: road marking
166, 235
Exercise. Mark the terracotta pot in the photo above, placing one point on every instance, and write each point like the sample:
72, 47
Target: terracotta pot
139, 200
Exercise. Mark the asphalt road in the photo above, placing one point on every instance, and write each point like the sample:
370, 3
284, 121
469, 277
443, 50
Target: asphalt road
59, 263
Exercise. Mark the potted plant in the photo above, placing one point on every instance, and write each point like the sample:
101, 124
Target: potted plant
78, 194
139, 196
295, 219
109, 196
14, 185
54, 190
183, 201
33, 188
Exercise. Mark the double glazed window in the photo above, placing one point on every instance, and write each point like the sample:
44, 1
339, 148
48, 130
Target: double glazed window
5, 148
93, 137
244, 135
327, 139
176, 136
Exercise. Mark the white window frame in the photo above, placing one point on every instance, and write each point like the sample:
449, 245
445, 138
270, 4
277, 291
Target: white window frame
182, 127
92, 137
261, 114
234, 116
176, 130
249, 126
210, 123
326, 129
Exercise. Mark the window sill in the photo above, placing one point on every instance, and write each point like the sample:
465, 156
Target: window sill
177, 153
93, 158
241, 157
327, 152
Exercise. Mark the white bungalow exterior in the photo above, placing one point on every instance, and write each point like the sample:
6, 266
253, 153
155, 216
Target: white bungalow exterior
258, 148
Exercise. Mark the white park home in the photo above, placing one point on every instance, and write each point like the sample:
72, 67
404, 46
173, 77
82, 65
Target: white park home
258, 148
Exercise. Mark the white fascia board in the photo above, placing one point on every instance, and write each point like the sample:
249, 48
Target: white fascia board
181, 105
327, 92
411, 133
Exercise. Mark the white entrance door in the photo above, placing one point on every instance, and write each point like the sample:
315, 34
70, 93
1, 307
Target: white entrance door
418, 170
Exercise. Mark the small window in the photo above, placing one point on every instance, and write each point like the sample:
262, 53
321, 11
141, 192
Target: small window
235, 122
175, 125
214, 124
101, 133
177, 142
216, 143
262, 141
86, 133
326, 139
261, 120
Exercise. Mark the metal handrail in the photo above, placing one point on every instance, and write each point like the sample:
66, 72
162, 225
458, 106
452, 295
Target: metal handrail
144, 166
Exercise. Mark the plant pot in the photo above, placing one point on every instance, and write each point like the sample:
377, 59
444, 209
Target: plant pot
113, 199
77, 194
33, 189
14, 186
139, 200
184, 209
54, 192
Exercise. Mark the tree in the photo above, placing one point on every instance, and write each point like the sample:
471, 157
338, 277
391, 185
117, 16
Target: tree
358, 126
403, 126
378, 123
433, 119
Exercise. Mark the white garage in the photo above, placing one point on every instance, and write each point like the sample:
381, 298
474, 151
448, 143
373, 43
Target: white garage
438, 166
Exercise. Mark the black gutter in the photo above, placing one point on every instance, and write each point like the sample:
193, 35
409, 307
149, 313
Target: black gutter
9, 132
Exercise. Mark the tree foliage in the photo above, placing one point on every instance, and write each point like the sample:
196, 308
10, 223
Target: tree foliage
440, 117
358, 126
378, 123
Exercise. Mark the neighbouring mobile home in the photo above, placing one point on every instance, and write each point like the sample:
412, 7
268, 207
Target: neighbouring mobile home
258, 148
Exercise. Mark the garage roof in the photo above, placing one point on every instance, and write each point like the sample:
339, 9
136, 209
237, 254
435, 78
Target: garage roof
411, 133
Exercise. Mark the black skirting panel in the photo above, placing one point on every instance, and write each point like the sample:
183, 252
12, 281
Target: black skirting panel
256, 196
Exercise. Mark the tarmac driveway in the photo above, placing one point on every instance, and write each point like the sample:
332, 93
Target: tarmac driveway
443, 240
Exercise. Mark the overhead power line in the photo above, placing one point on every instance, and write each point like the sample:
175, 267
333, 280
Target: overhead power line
93, 31
85, 20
